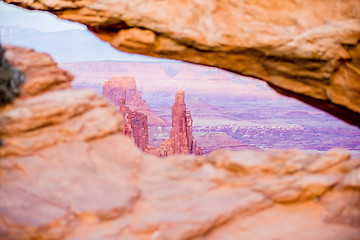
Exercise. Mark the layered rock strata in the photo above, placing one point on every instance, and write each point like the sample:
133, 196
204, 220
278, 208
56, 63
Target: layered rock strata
123, 87
136, 126
92, 182
308, 47
48, 111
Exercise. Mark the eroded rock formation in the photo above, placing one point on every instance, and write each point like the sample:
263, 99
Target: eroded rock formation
307, 47
181, 140
68, 172
123, 87
48, 111
136, 126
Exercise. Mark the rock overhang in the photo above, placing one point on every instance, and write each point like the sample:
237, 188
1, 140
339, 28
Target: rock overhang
289, 45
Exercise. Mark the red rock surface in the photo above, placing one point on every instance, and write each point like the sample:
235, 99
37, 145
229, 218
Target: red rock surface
136, 126
181, 140
48, 111
92, 182
122, 87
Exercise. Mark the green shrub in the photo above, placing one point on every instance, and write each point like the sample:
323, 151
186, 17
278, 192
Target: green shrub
11, 80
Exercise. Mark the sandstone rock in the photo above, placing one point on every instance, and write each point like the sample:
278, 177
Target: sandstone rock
313, 186
285, 221
122, 87
136, 126
55, 117
318, 55
343, 207
244, 162
59, 188
40, 119
349, 165
352, 180
42, 73
181, 140
89, 181
331, 158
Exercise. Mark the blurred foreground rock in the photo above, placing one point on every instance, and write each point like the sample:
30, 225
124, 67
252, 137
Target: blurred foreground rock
307, 47
68, 172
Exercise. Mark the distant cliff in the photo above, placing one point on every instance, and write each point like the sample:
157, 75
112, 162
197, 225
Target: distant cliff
181, 140
136, 126
122, 87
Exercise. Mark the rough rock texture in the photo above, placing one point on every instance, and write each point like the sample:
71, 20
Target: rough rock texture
181, 140
69, 173
42, 73
48, 111
122, 87
308, 47
136, 126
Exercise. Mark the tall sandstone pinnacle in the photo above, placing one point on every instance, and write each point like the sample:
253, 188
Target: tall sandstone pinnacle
181, 140
307, 47
68, 172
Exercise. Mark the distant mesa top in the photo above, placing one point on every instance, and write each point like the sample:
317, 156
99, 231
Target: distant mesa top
124, 87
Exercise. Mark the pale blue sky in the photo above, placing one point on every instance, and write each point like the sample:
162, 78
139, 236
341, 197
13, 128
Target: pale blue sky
15, 16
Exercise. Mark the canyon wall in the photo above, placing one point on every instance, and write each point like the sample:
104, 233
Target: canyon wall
68, 172
306, 47
123, 92
136, 126
123, 87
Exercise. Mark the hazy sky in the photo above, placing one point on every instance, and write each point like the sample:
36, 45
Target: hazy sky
15, 16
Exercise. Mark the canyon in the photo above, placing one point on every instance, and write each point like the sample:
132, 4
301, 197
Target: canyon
240, 113
70, 167
68, 172
122, 91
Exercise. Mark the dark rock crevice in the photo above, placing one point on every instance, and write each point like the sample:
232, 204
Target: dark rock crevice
11, 80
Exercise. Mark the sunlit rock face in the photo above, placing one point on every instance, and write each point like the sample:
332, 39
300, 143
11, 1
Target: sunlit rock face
68, 172
308, 47
48, 111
